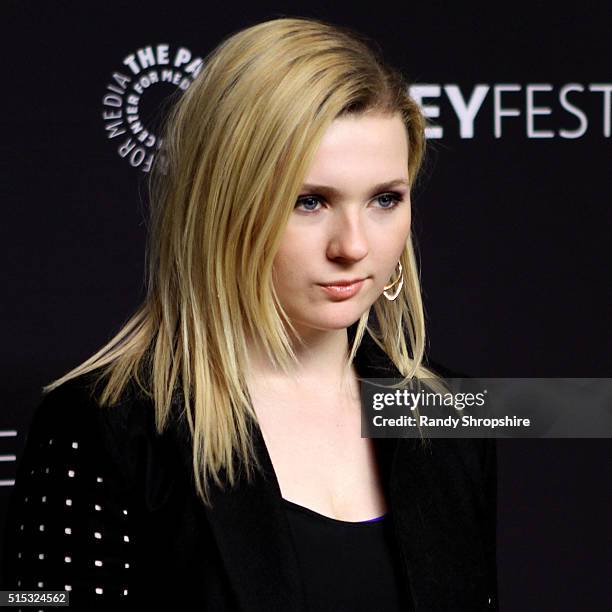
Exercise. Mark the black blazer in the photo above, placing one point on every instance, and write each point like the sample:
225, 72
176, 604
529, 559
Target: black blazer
110, 505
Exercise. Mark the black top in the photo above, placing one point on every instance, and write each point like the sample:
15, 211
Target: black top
345, 565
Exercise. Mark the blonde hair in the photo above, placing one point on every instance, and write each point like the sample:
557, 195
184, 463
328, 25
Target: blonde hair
236, 148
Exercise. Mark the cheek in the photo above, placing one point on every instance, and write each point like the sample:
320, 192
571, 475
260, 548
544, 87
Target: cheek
281, 269
403, 227
392, 237
291, 261
406, 219
406, 233
390, 245
298, 250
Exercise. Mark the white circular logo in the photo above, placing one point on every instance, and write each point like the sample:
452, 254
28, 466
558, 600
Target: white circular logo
132, 101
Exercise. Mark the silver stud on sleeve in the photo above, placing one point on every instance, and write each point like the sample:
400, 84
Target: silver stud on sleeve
66, 481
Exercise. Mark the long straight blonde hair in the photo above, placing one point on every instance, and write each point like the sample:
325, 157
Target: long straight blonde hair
236, 147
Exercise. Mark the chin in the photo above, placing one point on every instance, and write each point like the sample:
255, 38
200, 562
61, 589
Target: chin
339, 321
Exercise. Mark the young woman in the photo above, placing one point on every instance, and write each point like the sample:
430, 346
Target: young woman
210, 455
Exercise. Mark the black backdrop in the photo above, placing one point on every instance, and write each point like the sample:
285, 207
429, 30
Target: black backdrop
511, 220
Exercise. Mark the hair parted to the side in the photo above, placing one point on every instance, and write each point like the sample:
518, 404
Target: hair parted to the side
236, 148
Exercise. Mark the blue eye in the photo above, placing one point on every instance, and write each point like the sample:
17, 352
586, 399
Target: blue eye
301, 201
395, 199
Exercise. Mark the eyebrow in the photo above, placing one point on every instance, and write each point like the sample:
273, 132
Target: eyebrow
336, 192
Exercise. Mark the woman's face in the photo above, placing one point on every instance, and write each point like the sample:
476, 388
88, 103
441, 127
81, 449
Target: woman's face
346, 225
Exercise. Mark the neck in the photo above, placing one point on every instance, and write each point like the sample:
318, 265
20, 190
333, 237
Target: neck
321, 360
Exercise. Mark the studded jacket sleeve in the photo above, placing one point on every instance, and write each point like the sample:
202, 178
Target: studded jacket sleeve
68, 522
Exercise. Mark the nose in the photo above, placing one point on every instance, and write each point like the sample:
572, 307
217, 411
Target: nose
348, 239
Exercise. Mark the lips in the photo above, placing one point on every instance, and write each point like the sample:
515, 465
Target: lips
344, 291
342, 283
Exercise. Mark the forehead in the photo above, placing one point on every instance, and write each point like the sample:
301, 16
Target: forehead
367, 148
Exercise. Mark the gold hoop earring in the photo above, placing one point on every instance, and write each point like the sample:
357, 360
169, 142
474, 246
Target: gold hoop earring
399, 279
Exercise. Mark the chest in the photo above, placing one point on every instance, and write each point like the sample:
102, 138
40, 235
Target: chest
319, 457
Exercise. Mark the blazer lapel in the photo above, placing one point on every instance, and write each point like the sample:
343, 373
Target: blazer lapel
251, 530
436, 527
253, 535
